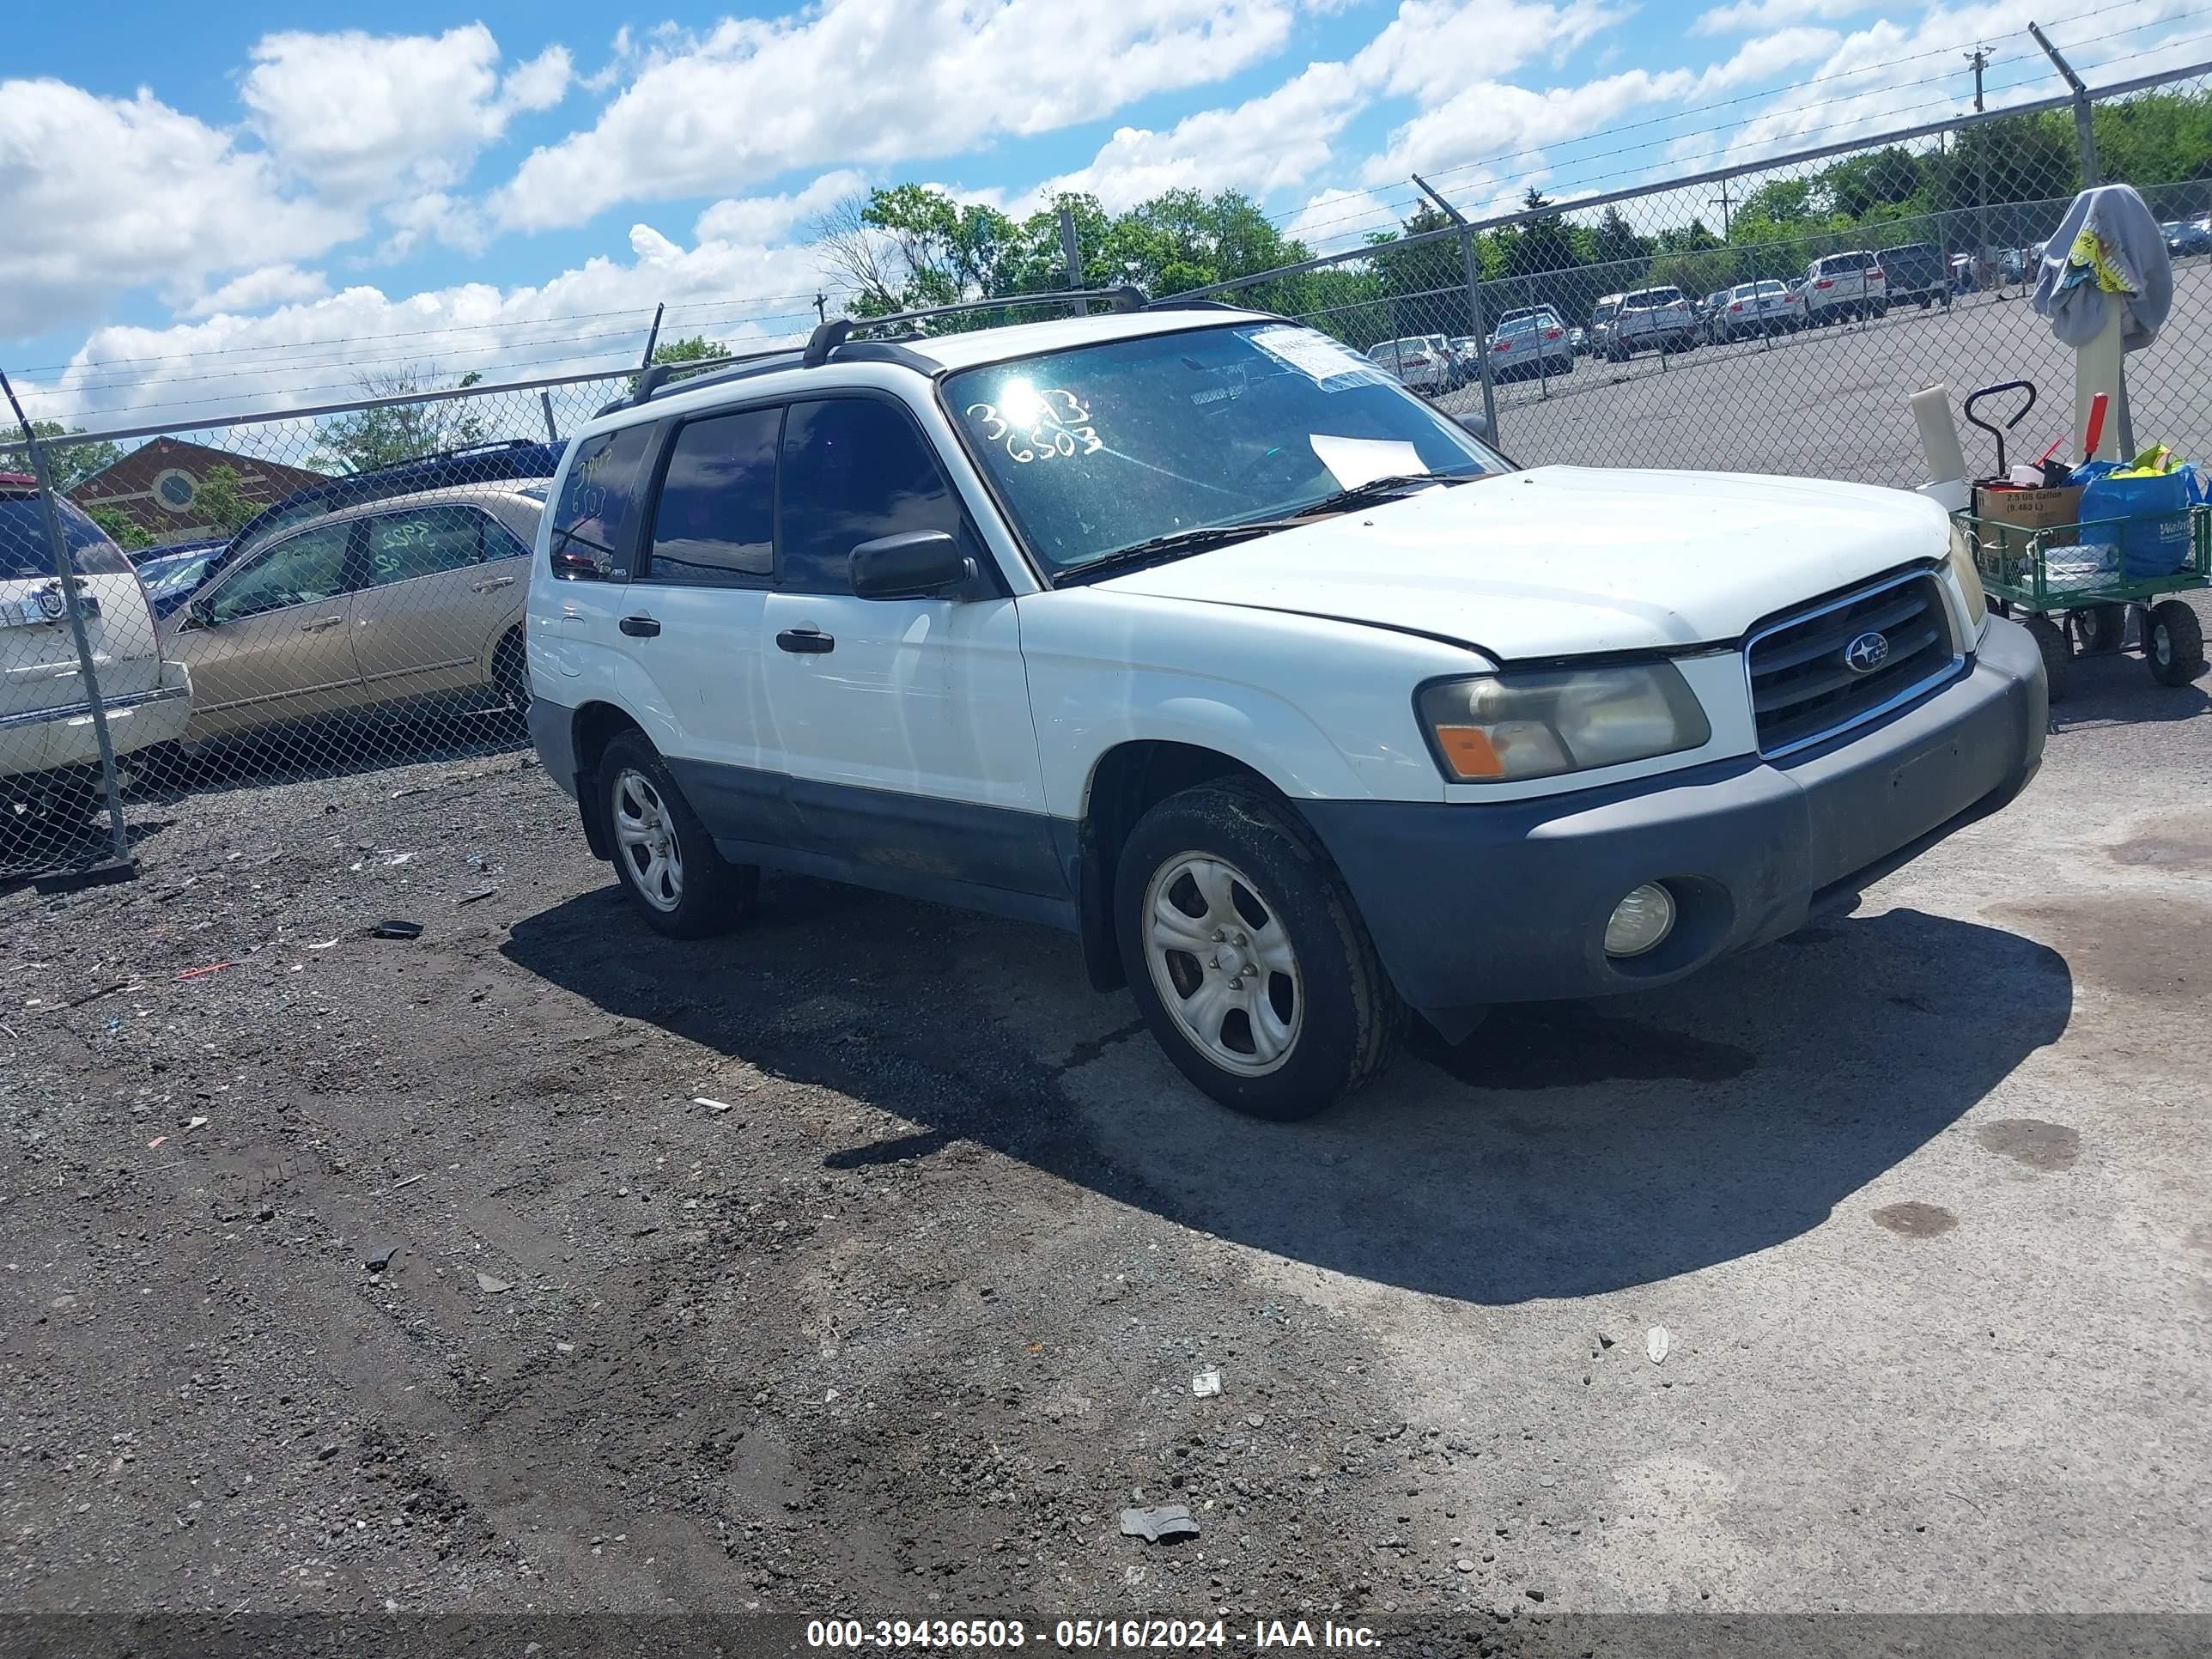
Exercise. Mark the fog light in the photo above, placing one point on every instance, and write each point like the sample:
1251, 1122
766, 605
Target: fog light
1640, 922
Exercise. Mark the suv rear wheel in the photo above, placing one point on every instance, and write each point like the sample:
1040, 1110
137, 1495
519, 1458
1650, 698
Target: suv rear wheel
682, 886
1247, 957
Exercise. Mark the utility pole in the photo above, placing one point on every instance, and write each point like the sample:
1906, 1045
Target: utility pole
1070, 250
1725, 233
1473, 268
2084, 130
1979, 58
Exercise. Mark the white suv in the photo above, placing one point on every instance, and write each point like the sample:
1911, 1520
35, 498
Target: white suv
1193, 632
1845, 285
49, 750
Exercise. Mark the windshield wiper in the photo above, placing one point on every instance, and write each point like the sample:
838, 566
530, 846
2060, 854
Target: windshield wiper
1382, 489
1175, 545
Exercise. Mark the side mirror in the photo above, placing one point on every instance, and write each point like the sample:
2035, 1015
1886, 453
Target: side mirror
919, 564
1474, 423
199, 612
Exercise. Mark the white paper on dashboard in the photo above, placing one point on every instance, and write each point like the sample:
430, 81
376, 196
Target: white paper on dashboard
1328, 362
1355, 461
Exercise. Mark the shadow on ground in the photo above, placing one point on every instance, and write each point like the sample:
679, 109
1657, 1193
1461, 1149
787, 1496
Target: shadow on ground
1566, 1150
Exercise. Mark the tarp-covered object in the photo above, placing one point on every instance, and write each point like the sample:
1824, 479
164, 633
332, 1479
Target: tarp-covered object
2109, 243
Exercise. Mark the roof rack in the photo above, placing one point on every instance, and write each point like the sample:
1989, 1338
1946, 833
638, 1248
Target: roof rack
1176, 302
656, 376
831, 335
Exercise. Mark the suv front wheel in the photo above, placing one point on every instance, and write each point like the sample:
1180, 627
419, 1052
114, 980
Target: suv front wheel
682, 886
1247, 957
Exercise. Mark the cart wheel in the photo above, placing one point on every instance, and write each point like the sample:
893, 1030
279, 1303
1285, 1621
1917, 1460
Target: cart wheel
2174, 643
2057, 655
2102, 628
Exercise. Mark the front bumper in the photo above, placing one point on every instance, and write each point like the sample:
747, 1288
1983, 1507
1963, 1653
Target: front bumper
1471, 905
48, 739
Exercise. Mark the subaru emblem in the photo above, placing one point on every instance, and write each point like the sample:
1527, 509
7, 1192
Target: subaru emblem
1866, 652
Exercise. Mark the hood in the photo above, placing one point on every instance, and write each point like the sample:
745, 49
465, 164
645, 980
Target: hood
1563, 560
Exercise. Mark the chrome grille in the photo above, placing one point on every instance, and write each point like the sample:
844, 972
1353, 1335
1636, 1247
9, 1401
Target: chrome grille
1803, 688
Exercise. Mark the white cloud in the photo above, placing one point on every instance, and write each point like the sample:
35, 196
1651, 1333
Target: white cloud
1755, 16
590, 318
370, 117
873, 80
257, 290
102, 195
771, 218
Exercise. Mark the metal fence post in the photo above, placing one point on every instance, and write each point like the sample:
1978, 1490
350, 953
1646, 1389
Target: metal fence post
2084, 125
1481, 334
73, 608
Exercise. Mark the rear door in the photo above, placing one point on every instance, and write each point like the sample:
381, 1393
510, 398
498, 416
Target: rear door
904, 723
270, 640
695, 616
438, 578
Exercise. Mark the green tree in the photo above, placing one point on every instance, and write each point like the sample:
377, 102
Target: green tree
698, 348
119, 527
1424, 285
392, 433
219, 502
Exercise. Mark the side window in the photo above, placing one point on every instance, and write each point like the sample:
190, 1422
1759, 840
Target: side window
715, 523
423, 541
853, 469
309, 566
597, 499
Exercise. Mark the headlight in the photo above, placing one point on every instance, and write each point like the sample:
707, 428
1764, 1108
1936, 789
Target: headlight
1969, 579
1504, 727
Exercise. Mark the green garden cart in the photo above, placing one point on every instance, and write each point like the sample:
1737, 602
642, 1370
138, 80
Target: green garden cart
2071, 585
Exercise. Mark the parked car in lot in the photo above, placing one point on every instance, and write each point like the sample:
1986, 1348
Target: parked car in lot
49, 750
1580, 339
1421, 362
1029, 619
1650, 319
2186, 236
1531, 345
1842, 286
172, 577
1748, 309
386, 605
1916, 273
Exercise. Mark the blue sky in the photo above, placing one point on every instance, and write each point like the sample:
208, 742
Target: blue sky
520, 184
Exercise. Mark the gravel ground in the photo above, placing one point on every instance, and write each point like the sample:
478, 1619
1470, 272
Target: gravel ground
1831, 402
365, 1274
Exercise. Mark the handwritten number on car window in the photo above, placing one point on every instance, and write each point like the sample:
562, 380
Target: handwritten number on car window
1039, 426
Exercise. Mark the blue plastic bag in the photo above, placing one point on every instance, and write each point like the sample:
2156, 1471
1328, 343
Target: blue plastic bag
2152, 531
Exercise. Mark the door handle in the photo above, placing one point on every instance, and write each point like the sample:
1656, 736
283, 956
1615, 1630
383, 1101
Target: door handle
490, 582
638, 627
320, 624
806, 641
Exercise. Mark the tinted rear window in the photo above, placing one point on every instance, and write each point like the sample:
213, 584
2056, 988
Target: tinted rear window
25, 555
599, 504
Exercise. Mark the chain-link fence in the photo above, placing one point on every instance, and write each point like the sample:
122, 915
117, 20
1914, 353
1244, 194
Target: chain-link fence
263, 598
1776, 317
340, 589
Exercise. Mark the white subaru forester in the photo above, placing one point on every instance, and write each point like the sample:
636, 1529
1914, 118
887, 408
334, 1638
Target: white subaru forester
1190, 631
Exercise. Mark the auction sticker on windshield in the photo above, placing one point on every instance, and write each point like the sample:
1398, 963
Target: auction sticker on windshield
1331, 366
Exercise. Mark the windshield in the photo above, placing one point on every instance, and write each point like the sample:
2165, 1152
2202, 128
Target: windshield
1103, 447
26, 555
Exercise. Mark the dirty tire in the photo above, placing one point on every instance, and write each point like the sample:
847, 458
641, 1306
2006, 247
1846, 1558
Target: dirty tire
2174, 641
2102, 628
716, 894
2057, 655
1351, 1021
510, 672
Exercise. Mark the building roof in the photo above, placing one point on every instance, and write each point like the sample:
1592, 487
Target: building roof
156, 485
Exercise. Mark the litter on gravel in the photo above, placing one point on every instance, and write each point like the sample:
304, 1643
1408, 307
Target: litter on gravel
202, 973
711, 1105
1207, 1382
1656, 1343
379, 1261
409, 1182
1166, 1521
492, 1286
476, 893
396, 928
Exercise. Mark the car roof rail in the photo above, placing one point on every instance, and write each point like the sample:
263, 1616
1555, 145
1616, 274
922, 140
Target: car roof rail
834, 333
1176, 302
